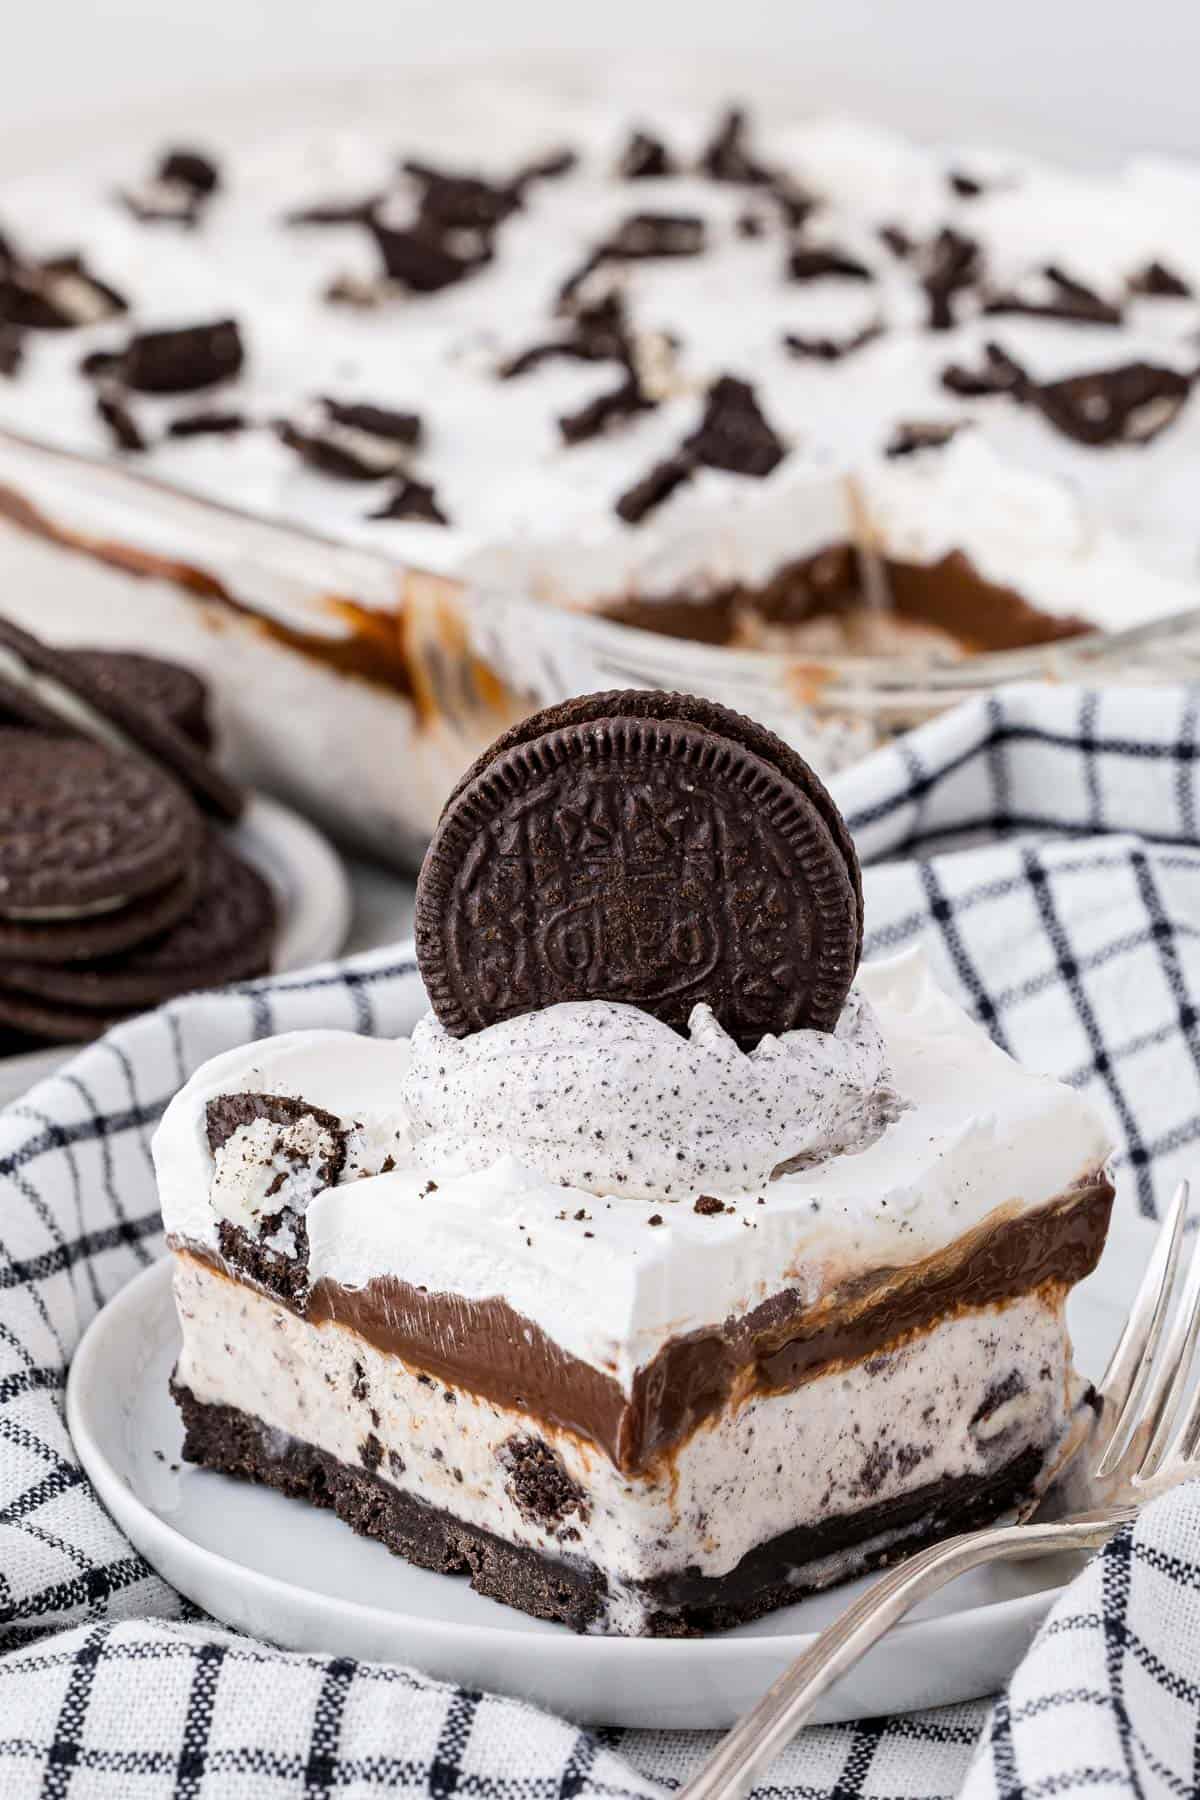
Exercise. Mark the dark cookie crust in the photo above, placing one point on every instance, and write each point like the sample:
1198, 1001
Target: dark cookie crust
83, 826
155, 735
654, 703
226, 936
568, 1589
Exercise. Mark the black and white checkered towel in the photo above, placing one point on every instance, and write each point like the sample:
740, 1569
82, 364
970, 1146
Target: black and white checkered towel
1045, 846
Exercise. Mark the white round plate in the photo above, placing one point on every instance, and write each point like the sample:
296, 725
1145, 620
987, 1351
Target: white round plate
312, 893
281, 1570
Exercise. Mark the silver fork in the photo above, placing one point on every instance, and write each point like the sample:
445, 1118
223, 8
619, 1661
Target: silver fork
1145, 1439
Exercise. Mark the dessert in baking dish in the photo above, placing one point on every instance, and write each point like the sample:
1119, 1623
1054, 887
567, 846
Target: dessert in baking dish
677, 1266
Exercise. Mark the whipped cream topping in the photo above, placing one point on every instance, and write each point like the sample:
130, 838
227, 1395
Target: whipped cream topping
612, 1278
602, 1097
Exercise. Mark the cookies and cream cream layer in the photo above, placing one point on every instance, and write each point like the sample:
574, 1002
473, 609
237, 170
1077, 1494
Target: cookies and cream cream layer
616, 1187
764, 261
953, 1405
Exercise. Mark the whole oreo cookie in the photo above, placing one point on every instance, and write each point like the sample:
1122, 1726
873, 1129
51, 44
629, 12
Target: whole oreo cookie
93, 704
103, 934
226, 936
84, 828
642, 847
174, 693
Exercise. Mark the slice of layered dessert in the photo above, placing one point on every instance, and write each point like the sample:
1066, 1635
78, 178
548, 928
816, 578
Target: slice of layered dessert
676, 1267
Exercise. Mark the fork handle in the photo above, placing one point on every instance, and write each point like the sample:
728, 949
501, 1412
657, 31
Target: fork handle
788, 1703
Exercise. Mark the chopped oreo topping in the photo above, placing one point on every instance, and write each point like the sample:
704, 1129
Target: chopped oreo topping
813, 262
173, 362
950, 264
733, 433
727, 157
461, 202
378, 421
897, 241
650, 492
335, 212
999, 375
538, 1483
115, 413
207, 424
912, 435
290, 1153
751, 225
425, 257
598, 333
707, 1205
1157, 282
795, 203
551, 167
1132, 404
349, 455
966, 187
191, 169
58, 295
1063, 298
607, 410
644, 156
825, 349
642, 236
227, 1113
411, 500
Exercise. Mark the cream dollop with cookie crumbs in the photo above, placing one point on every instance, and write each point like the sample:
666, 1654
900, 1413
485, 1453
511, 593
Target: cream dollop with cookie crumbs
600, 1096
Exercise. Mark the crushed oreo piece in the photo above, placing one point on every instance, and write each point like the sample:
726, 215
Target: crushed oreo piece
734, 434
173, 362
1063, 298
644, 156
1157, 282
825, 349
426, 258
966, 187
950, 264
411, 500
814, 262
751, 225
227, 1113
897, 241
795, 202
998, 375
707, 1205
727, 157
120, 421
461, 202
300, 1148
335, 212
348, 455
207, 424
598, 333
1132, 404
12, 349
377, 421
658, 485
910, 436
59, 295
190, 168
551, 167
605, 411
642, 236
538, 1483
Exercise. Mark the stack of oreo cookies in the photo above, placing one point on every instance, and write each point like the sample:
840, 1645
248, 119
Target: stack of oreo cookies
118, 888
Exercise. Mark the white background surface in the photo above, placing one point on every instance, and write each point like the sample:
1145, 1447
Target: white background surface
1097, 75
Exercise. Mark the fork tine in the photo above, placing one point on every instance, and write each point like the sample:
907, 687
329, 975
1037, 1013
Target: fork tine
1169, 1385
1129, 1367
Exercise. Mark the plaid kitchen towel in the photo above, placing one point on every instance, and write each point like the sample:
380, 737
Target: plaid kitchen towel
1045, 847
